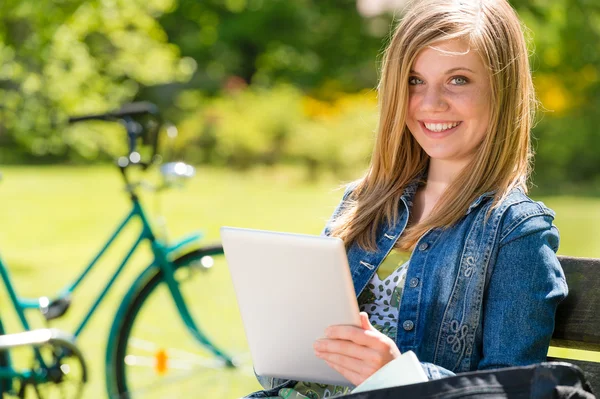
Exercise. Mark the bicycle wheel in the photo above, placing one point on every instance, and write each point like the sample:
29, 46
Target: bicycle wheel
154, 356
5, 383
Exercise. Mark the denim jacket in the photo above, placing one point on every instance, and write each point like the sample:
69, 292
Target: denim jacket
481, 294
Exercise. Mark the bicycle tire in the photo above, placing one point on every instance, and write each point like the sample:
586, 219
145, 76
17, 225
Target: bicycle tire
212, 379
5, 384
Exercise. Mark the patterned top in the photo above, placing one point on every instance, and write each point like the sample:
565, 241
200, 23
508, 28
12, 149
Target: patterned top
381, 301
381, 297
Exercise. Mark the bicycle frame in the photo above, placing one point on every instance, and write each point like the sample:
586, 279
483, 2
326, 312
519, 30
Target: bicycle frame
161, 252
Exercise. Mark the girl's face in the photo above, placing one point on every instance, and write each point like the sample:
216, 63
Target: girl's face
449, 102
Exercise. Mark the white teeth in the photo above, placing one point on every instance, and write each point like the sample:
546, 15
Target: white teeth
440, 127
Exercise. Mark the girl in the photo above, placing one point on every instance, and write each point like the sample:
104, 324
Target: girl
449, 257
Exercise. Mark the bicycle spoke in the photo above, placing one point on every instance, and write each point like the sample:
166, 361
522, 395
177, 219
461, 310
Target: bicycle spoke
196, 373
143, 344
147, 361
148, 346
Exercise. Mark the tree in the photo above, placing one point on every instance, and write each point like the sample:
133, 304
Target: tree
75, 56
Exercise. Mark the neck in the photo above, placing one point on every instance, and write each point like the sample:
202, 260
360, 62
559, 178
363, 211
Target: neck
442, 173
439, 176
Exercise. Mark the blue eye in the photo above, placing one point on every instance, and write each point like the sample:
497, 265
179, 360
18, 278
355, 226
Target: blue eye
413, 81
459, 81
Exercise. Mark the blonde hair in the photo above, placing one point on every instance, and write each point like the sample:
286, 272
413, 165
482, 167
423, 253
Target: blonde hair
492, 28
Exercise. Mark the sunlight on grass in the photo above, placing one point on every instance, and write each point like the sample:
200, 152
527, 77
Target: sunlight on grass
55, 219
578, 220
575, 354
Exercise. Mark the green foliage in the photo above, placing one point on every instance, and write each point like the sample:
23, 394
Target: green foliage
567, 78
76, 56
337, 135
240, 129
304, 42
255, 126
325, 47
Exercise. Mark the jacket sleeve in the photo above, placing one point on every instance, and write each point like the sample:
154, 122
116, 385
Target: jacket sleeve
526, 285
435, 372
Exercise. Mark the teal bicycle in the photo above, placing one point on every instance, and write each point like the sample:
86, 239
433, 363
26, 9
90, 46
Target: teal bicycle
156, 346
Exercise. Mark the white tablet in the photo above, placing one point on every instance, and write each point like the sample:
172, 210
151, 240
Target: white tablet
290, 288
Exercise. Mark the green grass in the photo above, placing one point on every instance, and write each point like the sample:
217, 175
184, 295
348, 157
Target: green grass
55, 218
578, 220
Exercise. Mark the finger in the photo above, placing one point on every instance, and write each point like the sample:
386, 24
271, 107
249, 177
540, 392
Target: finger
370, 338
354, 378
364, 321
347, 348
352, 364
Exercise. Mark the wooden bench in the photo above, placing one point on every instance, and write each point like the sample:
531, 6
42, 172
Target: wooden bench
578, 316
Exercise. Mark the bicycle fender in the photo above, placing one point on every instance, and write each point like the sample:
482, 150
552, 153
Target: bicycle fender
184, 242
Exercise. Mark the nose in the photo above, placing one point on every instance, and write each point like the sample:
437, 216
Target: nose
433, 99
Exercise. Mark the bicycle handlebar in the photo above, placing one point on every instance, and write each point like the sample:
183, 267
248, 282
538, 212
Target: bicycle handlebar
128, 110
125, 115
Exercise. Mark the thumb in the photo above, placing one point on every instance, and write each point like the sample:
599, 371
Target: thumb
364, 321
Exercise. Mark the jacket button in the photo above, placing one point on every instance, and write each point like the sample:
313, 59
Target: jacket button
408, 325
413, 282
423, 246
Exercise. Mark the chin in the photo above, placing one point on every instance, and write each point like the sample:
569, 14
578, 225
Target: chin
445, 156
440, 155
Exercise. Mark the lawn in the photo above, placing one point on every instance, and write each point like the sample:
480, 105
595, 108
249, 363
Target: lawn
55, 218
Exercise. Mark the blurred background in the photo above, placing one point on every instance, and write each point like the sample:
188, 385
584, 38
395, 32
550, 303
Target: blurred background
262, 82
274, 102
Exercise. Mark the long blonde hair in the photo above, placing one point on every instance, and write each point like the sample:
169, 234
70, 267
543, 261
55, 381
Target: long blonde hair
502, 163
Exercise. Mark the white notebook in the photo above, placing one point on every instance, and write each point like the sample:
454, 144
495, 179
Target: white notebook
403, 370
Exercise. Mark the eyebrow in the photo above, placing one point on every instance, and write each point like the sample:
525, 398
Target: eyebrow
449, 71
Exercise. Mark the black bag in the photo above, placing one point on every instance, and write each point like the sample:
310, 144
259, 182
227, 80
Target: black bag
544, 380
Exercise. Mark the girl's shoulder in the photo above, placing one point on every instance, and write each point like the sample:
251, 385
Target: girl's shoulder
518, 204
520, 215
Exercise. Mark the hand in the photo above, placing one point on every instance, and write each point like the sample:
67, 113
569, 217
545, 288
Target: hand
356, 353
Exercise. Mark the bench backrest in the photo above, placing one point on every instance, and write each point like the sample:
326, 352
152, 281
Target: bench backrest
578, 317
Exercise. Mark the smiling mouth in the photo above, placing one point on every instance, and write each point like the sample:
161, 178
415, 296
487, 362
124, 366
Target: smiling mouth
440, 127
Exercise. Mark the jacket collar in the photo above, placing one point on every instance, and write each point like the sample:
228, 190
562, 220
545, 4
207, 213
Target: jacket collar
479, 200
410, 190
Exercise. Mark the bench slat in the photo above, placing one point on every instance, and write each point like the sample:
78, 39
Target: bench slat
578, 316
